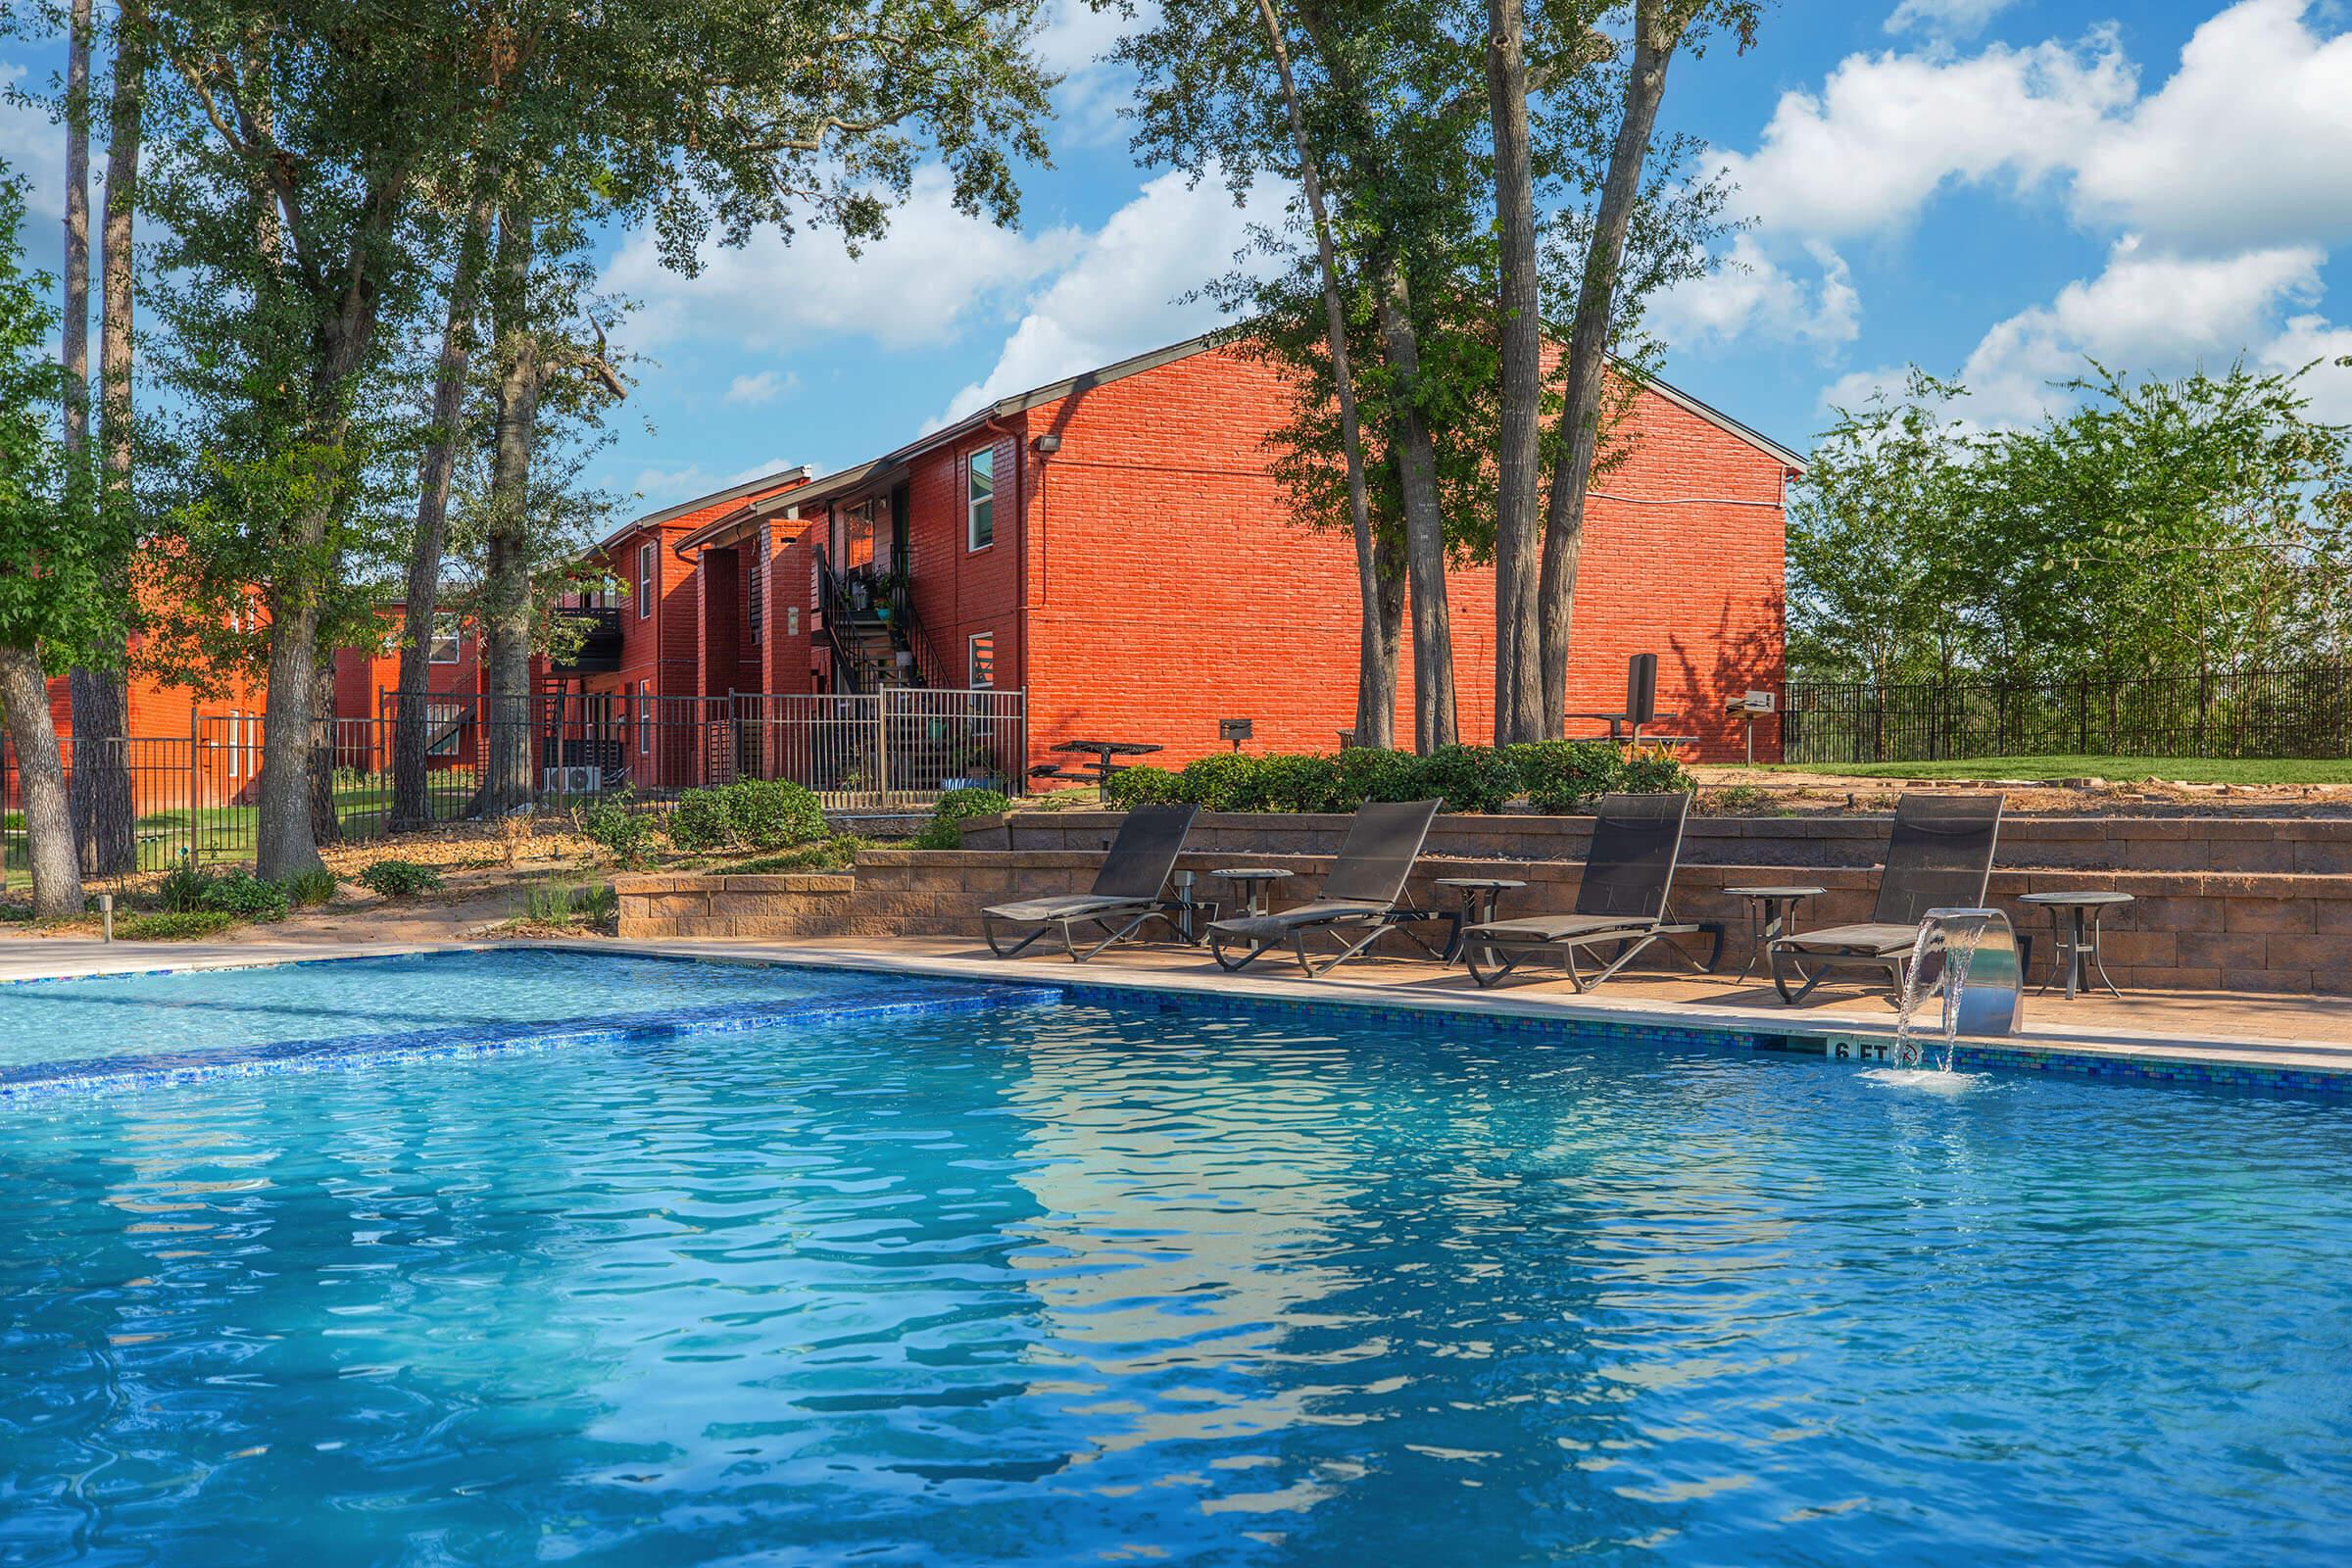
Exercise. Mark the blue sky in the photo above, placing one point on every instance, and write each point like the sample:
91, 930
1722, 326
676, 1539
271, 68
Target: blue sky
1989, 188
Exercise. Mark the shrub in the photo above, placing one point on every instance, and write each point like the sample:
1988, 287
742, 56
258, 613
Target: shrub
242, 896
1288, 782
398, 879
1561, 776
752, 813
182, 888
1143, 785
1468, 778
310, 889
1223, 781
954, 807
773, 813
1371, 773
173, 925
698, 822
1654, 771
615, 824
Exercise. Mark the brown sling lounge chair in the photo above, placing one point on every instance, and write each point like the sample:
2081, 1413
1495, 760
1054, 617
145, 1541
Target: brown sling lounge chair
1620, 900
1360, 901
1938, 856
1127, 890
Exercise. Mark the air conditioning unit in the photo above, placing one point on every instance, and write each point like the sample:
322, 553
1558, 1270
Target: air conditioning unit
574, 780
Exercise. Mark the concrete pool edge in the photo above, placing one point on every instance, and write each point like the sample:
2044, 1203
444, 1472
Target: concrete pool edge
2298, 1068
2149, 1057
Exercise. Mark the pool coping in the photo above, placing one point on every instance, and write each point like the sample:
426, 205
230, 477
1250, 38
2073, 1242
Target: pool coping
2147, 1056
2301, 1067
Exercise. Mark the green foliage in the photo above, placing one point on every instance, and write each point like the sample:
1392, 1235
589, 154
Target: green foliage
830, 854
243, 896
748, 813
2158, 526
1556, 776
399, 879
563, 903
182, 888
310, 889
954, 807
173, 925
617, 825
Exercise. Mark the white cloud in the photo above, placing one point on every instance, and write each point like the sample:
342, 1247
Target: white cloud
2249, 142
763, 387
1887, 132
693, 479
918, 284
1073, 41
1751, 294
2148, 311
2304, 339
1958, 18
1119, 294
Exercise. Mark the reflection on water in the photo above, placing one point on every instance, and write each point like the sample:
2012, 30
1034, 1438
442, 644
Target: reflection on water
1087, 1285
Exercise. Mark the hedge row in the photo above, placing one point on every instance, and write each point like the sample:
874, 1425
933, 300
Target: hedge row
1555, 776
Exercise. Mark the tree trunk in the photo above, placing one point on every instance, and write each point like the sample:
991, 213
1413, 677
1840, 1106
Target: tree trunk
74, 330
41, 783
1389, 575
325, 826
1424, 524
1654, 40
412, 806
505, 607
1376, 681
102, 809
1518, 635
286, 844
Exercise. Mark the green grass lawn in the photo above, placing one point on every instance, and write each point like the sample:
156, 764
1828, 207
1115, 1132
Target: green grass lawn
2117, 770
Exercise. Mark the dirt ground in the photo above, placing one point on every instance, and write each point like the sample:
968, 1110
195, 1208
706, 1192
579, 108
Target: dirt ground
1731, 791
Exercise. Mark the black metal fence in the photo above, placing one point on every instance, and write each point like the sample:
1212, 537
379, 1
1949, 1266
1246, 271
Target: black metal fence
2301, 711
195, 797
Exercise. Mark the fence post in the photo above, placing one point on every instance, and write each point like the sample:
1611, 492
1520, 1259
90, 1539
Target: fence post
882, 744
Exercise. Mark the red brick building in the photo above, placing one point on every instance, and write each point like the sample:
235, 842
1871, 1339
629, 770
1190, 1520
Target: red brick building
1116, 546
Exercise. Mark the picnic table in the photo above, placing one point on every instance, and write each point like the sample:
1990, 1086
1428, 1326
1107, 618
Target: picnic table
1622, 727
1102, 766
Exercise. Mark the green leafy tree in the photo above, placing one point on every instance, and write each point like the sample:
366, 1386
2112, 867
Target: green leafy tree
55, 561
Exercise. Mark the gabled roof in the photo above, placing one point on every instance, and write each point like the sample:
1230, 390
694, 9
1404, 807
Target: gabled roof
796, 474
867, 473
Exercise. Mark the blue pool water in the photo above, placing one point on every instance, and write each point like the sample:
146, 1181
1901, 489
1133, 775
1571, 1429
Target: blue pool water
223, 1011
1098, 1283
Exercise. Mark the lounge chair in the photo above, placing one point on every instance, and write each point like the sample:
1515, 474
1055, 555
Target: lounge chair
1359, 899
1938, 856
1126, 893
1620, 900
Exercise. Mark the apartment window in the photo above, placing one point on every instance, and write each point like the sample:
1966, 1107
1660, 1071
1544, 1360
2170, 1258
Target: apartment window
792, 620
646, 584
980, 498
448, 638
980, 658
645, 718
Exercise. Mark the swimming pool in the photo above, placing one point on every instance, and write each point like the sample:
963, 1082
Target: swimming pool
1103, 1280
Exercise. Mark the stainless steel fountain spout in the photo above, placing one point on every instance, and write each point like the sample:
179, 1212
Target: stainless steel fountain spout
1973, 955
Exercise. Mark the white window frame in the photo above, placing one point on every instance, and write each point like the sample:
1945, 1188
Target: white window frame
649, 581
455, 636
645, 718
974, 662
979, 462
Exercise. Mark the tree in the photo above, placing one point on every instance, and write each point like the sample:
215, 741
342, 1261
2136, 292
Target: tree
1660, 29
52, 601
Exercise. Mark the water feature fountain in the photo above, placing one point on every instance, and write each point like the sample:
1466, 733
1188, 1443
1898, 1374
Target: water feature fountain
1976, 953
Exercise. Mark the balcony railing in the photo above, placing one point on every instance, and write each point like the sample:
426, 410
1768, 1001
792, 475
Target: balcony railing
599, 648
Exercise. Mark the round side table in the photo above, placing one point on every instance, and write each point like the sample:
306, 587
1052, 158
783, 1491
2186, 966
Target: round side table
1771, 912
1255, 883
1482, 896
2074, 924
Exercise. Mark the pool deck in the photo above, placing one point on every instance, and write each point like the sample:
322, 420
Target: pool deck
2299, 1038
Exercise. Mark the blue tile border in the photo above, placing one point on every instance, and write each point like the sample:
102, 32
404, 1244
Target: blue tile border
918, 998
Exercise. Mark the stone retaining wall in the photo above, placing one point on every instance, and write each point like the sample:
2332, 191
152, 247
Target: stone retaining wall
2238, 928
2319, 845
